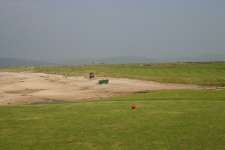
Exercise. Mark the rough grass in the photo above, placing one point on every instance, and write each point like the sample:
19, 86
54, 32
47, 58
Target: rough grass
163, 120
211, 73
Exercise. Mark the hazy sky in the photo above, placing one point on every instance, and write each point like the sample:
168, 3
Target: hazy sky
67, 29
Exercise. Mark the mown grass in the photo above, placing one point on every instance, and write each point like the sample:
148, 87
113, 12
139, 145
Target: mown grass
163, 120
211, 73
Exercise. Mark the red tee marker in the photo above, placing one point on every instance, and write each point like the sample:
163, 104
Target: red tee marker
133, 107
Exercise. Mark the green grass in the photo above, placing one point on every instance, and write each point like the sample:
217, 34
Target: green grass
163, 120
211, 73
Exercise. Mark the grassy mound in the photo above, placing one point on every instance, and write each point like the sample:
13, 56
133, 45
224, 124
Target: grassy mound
191, 73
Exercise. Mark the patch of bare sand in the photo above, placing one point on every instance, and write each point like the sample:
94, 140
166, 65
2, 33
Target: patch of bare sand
26, 88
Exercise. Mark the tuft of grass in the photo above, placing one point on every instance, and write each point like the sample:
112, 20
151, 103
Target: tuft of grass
163, 120
211, 73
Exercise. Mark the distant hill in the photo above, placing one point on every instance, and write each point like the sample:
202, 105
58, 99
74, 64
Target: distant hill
126, 60
109, 60
10, 62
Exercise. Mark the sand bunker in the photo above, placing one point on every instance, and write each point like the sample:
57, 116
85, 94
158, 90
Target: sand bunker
27, 88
